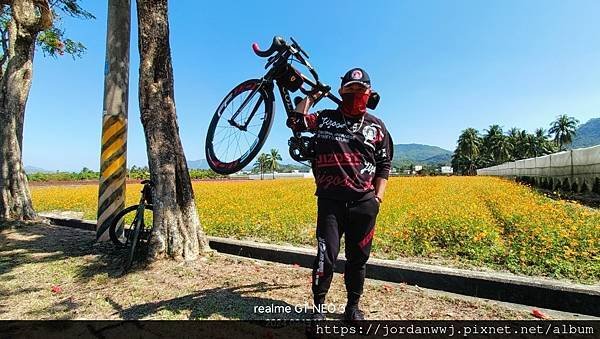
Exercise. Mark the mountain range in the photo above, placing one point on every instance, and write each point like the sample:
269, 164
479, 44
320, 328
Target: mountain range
33, 169
198, 164
418, 154
404, 154
587, 134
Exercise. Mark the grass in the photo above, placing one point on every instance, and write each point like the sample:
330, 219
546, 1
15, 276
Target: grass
53, 272
478, 222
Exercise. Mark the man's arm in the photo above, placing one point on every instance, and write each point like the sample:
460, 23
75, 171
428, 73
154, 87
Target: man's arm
383, 163
380, 184
304, 105
301, 120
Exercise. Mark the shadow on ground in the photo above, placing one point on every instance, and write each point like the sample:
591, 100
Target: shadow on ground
23, 243
228, 303
75, 253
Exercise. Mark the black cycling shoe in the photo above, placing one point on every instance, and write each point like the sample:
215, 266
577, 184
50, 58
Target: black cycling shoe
353, 314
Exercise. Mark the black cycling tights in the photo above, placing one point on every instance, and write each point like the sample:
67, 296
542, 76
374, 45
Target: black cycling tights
355, 219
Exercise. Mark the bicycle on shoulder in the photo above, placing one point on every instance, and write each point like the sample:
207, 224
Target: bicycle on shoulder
132, 226
241, 123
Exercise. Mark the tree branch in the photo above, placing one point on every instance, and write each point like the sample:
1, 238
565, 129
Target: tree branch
21, 11
46, 14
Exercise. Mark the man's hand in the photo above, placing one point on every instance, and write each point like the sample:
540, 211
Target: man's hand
307, 102
380, 184
295, 119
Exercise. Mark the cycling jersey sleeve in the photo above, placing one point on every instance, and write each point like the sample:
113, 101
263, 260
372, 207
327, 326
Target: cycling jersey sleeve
384, 152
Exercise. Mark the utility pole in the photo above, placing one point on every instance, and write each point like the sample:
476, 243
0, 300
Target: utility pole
113, 156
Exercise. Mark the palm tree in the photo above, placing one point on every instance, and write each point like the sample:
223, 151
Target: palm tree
456, 162
514, 137
563, 129
272, 160
531, 146
489, 139
543, 146
496, 146
466, 156
521, 143
261, 164
524, 144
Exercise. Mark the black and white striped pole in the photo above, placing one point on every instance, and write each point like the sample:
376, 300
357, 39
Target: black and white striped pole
113, 156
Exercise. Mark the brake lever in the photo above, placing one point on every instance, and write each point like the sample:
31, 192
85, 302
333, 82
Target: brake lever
271, 60
299, 48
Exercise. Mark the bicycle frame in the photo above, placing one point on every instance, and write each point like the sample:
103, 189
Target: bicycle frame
144, 200
280, 72
279, 62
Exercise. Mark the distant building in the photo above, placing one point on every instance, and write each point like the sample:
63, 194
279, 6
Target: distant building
418, 168
447, 170
294, 175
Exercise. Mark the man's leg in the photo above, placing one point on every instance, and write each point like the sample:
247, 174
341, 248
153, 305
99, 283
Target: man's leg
328, 237
359, 236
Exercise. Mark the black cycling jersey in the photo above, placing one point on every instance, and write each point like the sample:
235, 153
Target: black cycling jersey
349, 153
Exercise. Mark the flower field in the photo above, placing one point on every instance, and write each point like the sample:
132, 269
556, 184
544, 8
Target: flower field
477, 220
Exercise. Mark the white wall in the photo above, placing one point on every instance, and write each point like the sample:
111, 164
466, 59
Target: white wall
580, 166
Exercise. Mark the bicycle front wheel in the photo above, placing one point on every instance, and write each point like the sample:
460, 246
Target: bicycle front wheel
240, 126
122, 224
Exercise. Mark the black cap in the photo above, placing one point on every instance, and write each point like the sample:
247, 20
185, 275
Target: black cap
356, 75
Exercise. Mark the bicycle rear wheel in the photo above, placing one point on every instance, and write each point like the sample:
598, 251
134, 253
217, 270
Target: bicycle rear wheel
236, 134
119, 235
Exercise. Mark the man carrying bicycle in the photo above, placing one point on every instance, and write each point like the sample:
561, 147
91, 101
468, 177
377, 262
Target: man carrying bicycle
353, 154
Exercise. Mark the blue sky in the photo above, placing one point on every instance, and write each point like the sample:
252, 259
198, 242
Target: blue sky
440, 67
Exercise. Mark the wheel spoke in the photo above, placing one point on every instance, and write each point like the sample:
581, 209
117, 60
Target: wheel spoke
230, 143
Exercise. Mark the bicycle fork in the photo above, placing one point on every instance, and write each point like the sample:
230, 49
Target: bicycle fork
244, 127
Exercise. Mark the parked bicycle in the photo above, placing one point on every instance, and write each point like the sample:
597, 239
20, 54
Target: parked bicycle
241, 123
129, 227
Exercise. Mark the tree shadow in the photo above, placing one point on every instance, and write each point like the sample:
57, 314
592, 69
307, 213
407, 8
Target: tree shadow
48, 244
230, 303
60, 310
5, 293
23, 243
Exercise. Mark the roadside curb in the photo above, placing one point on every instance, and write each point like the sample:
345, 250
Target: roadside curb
540, 292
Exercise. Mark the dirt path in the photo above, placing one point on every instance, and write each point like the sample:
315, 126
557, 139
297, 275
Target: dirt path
54, 272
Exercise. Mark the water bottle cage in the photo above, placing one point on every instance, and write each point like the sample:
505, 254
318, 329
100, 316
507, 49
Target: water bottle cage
302, 148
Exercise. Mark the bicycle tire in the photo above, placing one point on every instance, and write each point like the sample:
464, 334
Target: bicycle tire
220, 163
112, 229
133, 244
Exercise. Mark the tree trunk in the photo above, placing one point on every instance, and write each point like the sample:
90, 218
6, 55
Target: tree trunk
177, 231
28, 19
